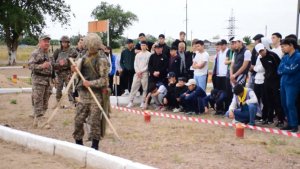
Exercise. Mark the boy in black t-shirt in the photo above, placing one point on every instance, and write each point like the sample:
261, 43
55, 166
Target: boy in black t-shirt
142, 38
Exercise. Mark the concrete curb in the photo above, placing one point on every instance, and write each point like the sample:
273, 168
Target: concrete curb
21, 90
83, 156
12, 67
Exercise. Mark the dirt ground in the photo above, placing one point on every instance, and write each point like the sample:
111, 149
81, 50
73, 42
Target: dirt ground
164, 143
14, 156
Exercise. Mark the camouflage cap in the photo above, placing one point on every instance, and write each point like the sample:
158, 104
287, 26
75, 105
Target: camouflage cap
44, 36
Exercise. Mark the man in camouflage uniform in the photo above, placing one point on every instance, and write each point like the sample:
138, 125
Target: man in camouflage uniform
95, 70
64, 73
41, 64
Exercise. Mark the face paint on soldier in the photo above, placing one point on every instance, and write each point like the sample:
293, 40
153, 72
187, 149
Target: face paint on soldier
44, 44
64, 44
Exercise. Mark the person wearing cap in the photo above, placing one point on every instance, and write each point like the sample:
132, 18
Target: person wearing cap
244, 105
142, 37
216, 99
276, 39
142, 74
42, 66
166, 48
200, 64
170, 99
190, 56
251, 82
158, 66
181, 39
179, 90
240, 63
157, 93
228, 60
268, 62
219, 67
191, 100
289, 69
64, 73
175, 62
127, 65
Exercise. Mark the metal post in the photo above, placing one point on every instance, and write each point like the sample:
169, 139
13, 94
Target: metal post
107, 32
297, 23
266, 31
191, 38
186, 23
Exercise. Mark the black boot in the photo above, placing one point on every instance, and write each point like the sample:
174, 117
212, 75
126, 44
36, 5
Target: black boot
79, 142
95, 144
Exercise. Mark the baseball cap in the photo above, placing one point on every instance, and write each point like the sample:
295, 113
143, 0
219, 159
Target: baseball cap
223, 42
129, 41
238, 39
158, 46
182, 79
259, 47
161, 36
258, 36
213, 93
44, 36
171, 74
141, 34
173, 48
191, 82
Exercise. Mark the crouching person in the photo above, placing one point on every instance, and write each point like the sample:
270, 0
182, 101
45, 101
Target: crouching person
170, 99
189, 99
217, 100
157, 93
179, 90
244, 105
94, 68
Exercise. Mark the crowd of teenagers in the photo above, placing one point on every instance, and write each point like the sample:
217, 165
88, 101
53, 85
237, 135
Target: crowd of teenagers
176, 79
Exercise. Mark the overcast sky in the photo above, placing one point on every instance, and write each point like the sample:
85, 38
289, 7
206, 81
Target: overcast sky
206, 18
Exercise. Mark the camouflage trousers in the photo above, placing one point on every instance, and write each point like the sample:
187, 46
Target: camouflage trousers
64, 76
40, 97
83, 110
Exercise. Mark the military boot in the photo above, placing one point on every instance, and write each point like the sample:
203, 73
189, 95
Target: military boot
95, 144
79, 142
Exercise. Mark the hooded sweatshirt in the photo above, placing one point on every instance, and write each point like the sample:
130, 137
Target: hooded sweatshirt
141, 61
258, 68
176, 43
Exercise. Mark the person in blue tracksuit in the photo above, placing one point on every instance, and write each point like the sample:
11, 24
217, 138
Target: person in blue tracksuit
289, 69
190, 99
217, 100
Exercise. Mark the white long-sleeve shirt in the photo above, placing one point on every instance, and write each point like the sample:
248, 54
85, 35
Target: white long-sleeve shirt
141, 62
260, 71
252, 100
118, 59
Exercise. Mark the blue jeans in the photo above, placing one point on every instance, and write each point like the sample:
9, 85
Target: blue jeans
245, 114
191, 104
288, 94
201, 81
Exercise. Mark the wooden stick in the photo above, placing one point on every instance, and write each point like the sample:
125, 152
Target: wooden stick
60, 101
94, 97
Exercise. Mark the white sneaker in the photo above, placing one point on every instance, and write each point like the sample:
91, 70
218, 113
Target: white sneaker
125, 94
176, 110
129, 105
233, 121
138, 94
142, 104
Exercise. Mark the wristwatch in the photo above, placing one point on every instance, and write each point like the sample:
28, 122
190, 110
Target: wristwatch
233, 75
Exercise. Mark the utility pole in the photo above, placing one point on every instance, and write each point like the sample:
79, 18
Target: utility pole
186, 20
266, 31
297, 22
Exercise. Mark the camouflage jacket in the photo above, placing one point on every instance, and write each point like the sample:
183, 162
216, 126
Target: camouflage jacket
35, 62
71, 52
102, 70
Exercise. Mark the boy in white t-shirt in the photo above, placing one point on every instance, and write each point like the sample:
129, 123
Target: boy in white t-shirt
158, 92
200, 64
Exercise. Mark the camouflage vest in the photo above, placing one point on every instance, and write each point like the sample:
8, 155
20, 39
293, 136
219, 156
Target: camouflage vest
88, 72
63, 55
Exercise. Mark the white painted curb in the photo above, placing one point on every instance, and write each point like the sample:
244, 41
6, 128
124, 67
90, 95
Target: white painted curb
21, 90
83, 156
12, 67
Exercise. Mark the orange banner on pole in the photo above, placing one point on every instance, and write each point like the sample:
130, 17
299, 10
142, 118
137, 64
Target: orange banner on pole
98, 26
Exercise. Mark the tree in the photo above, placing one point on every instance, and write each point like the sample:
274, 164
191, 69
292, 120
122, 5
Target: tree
119, 20
27, 40
27, 17
169, 40
151, 38
247, 39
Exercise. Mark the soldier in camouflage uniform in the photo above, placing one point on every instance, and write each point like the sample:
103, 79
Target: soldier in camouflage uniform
41, 64
64, 73
95, 69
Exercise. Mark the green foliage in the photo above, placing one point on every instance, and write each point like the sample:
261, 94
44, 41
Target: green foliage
274, 141
28, 18
13, 101
293, 151
151, 38
74, 39
54, 42
119, 20
28, 40
247, 39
